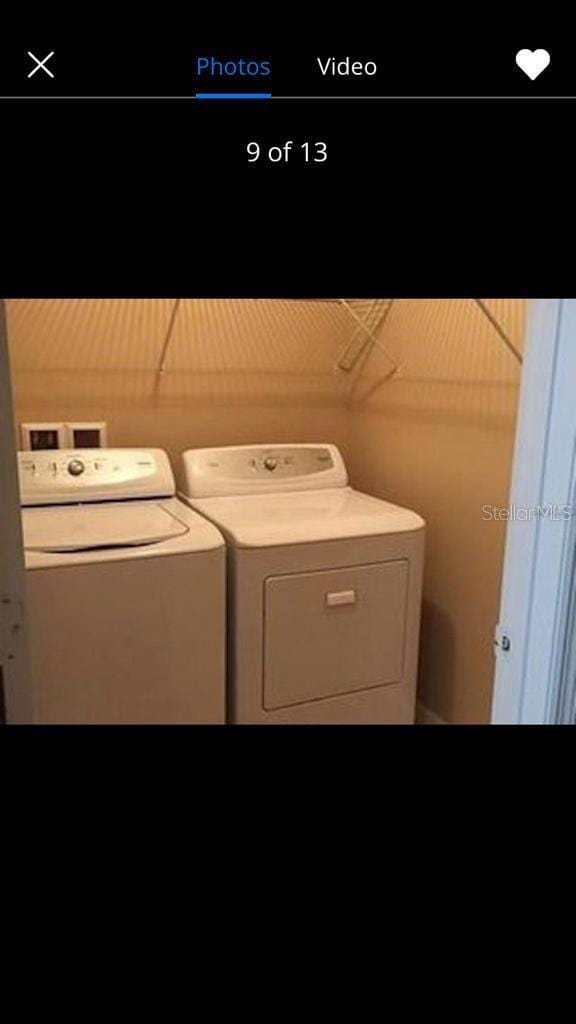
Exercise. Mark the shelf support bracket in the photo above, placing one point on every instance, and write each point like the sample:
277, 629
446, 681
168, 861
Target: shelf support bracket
371, 338
499, 330
166, 345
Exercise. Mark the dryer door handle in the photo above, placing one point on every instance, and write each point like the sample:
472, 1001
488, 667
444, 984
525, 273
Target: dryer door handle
337, 598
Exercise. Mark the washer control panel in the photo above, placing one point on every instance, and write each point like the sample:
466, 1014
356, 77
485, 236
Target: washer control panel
93, 474
254, 469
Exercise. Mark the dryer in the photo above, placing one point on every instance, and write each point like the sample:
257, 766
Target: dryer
125, 591
324, 586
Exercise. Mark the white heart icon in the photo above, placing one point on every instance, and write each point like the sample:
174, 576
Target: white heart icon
532, 62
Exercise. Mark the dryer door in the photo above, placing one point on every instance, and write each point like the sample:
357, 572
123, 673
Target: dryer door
333, 632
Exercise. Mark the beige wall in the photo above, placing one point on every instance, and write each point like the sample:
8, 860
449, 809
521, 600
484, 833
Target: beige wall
438, 437
179, 423
236, 371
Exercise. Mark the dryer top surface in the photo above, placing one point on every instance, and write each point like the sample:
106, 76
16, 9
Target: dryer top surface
297, 517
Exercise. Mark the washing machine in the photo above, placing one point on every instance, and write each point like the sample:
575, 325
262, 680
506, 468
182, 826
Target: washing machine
125, 591
324, 586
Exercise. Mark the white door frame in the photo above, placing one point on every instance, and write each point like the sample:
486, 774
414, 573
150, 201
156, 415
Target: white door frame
530, 636
16, 680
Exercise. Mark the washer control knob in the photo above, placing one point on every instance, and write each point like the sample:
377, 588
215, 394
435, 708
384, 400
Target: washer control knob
270, 462
76, 467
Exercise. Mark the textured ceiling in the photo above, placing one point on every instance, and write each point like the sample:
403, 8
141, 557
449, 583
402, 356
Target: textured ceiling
205, 334
232, 346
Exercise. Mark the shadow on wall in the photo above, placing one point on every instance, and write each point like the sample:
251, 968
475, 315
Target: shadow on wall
437, 647
438, 437
448, 469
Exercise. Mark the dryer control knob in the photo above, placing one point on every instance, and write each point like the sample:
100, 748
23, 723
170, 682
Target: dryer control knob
76, 467
270, 462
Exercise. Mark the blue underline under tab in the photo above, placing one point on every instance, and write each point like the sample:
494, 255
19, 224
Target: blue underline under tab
233, 95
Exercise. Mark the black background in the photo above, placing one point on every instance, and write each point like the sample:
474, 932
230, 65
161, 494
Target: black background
418, 197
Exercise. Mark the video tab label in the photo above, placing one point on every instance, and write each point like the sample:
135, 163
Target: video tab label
346, 67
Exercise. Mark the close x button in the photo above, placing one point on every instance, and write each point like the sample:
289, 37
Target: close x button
40, 64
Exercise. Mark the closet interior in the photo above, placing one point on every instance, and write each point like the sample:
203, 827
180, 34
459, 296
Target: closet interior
419, 396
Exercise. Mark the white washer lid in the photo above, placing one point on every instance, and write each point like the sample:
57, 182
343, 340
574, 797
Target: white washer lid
81, 528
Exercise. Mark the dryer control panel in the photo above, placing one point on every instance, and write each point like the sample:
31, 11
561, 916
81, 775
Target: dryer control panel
257, 469
93, 474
